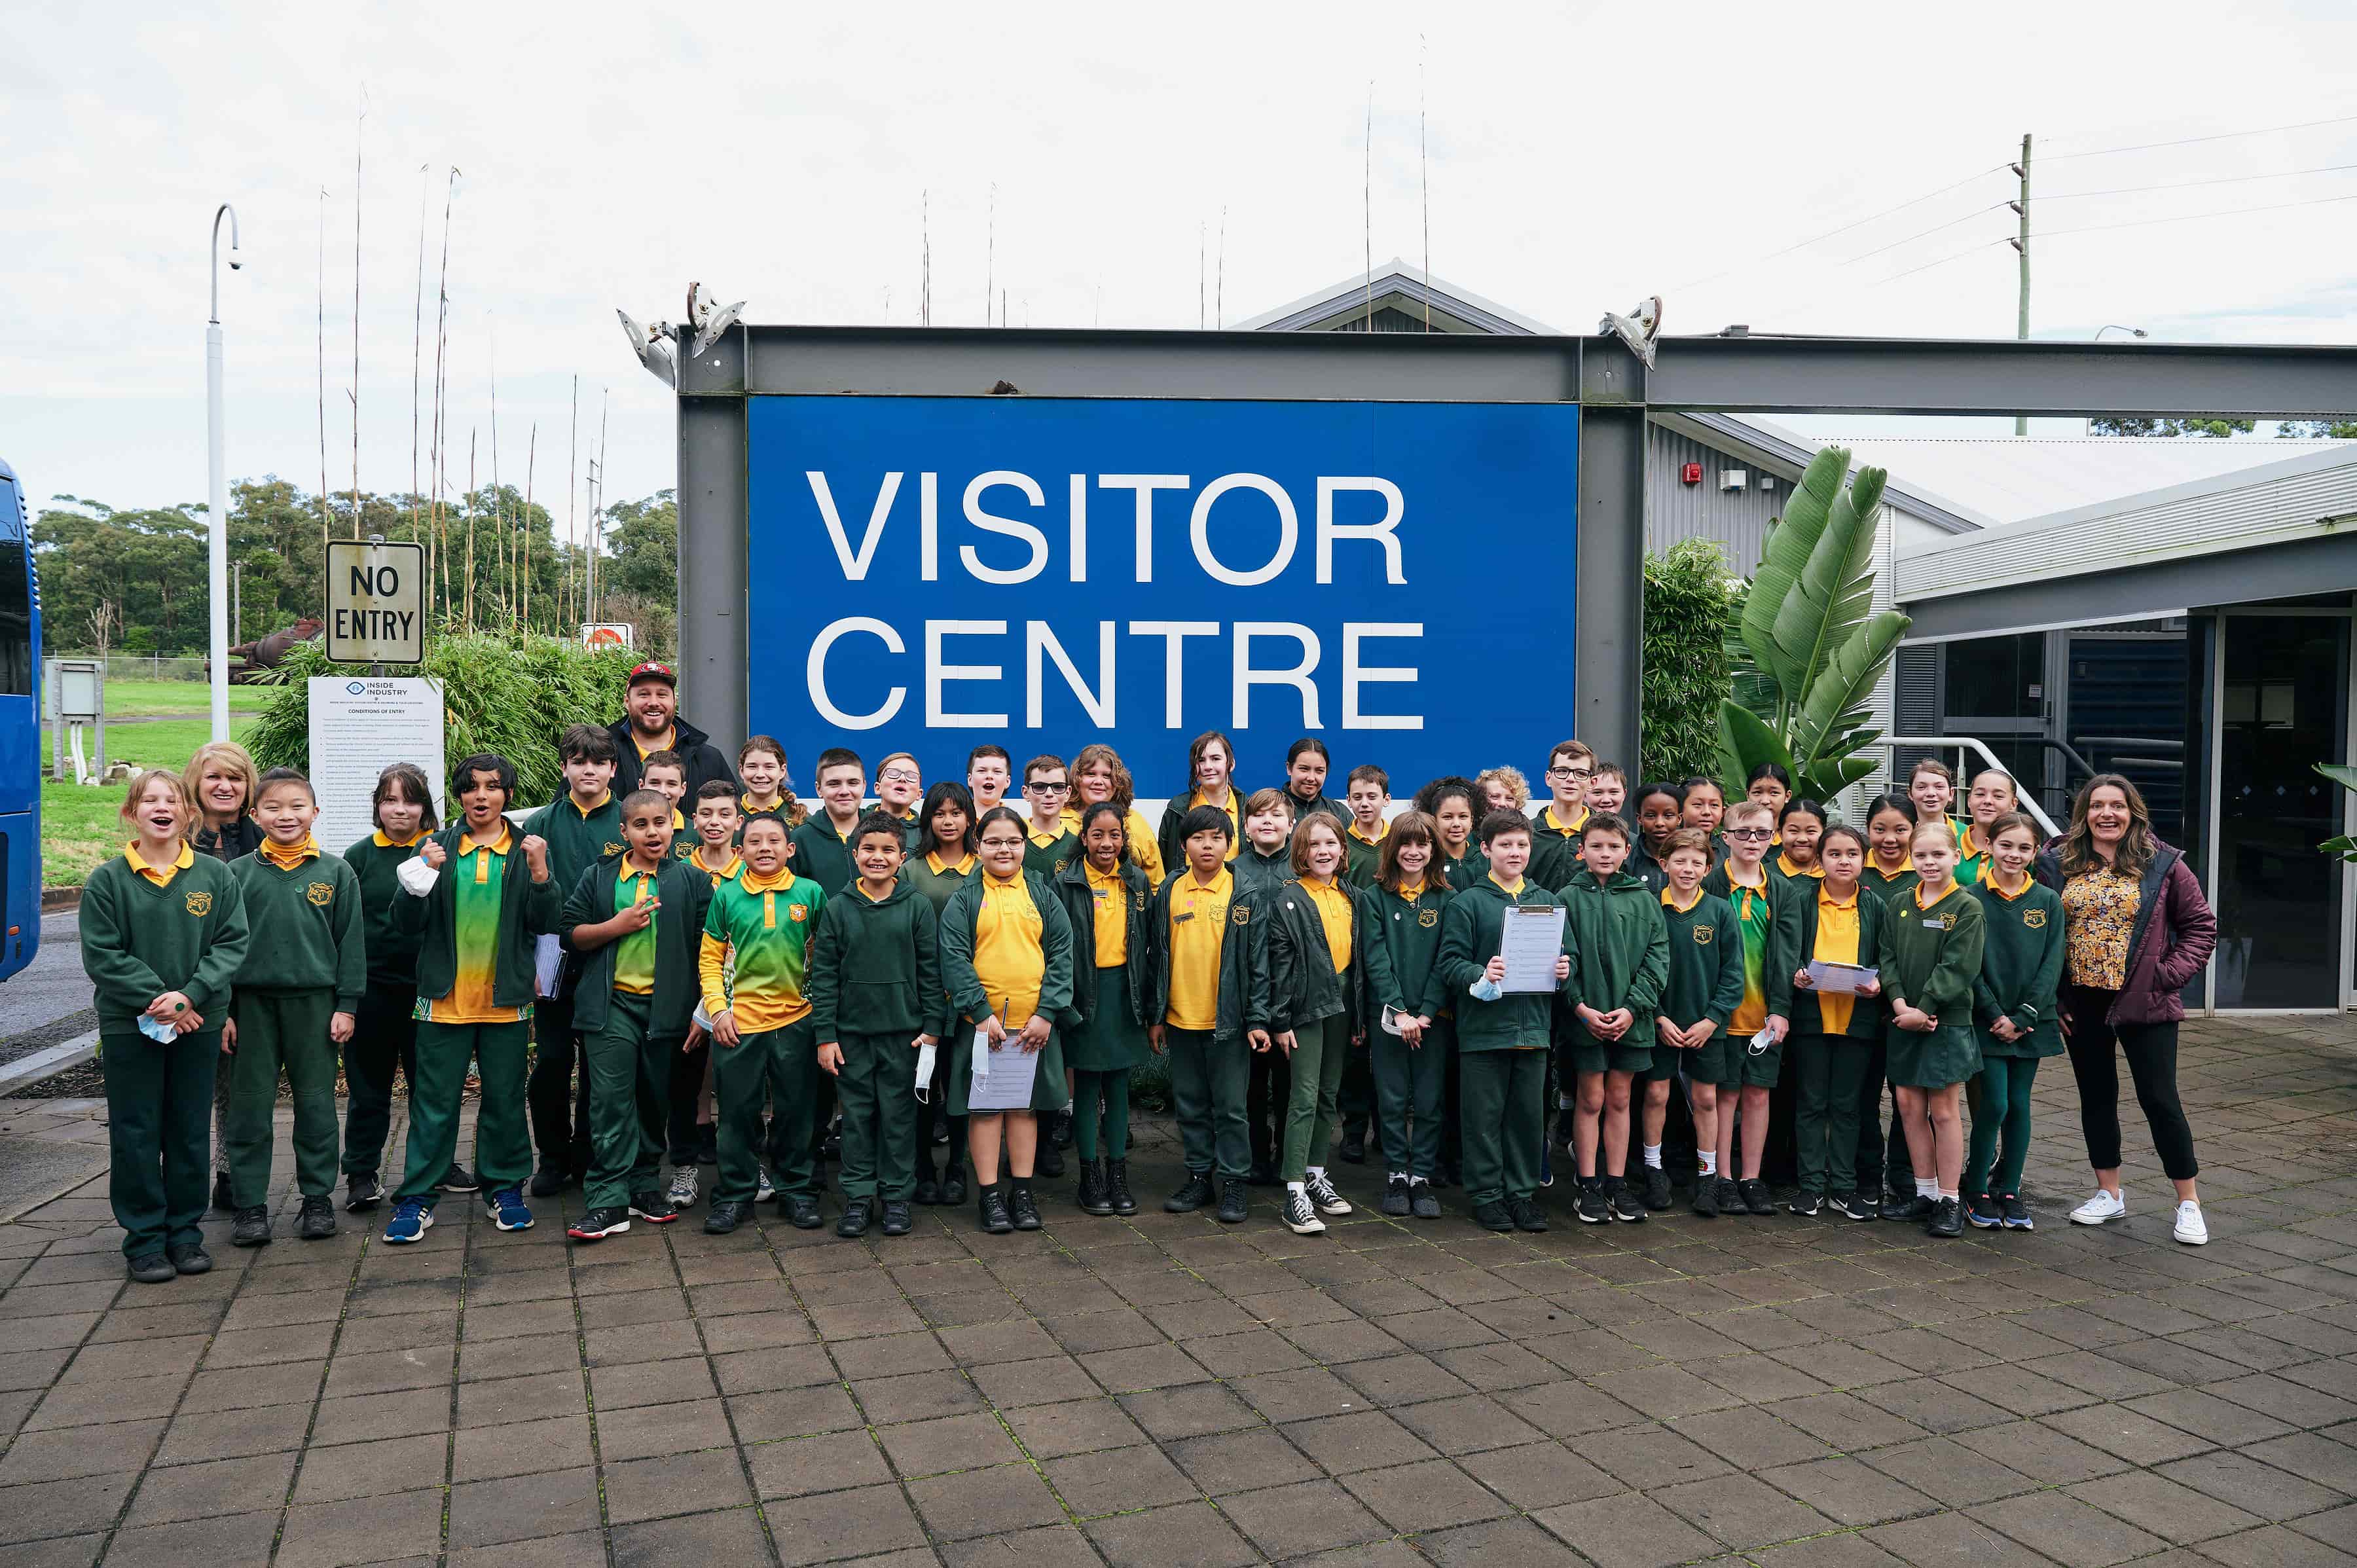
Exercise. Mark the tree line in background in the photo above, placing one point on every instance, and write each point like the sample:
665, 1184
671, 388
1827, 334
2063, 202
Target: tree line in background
136, 580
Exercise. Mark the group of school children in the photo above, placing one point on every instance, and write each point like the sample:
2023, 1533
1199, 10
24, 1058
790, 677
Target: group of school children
748, 983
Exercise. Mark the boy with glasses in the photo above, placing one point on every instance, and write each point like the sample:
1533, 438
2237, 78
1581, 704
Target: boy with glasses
1555, 833
899, 784
1050, 844
1743, 881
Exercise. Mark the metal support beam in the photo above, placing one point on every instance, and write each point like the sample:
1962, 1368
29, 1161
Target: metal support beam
1610, 593
715, 668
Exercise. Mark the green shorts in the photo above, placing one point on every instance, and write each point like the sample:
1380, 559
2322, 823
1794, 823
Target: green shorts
1589, 1054
1712, 1061
1752, 1068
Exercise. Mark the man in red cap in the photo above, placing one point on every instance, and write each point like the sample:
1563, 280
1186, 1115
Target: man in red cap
650, 723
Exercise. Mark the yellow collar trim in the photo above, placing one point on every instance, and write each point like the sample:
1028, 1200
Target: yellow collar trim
468, 843
188, 857
293, 855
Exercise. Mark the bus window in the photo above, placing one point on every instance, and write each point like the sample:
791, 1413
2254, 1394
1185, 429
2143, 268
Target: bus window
15, 620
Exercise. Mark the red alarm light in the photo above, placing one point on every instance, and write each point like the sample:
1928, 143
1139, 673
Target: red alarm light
1691, 474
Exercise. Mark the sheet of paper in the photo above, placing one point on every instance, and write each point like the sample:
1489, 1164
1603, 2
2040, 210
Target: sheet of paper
1838, 978
1002, 1079
1530, 942
547, 964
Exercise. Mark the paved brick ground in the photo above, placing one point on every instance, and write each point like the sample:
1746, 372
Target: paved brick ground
1775, 1391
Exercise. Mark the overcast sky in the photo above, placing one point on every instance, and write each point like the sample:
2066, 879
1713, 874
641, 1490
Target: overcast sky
1580, 157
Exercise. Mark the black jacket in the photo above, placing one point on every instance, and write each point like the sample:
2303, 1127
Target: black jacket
683, 892
1302, 986
1243, 961
704, 760
241, 837
1071, 884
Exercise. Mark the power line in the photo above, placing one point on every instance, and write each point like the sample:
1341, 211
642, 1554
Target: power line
2189, 141
2187, 184
1975, 212
1831, 233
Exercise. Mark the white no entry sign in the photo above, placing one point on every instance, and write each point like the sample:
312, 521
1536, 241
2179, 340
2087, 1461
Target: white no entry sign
376, 603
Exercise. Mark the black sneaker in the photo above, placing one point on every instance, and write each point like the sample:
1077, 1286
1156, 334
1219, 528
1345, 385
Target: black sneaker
457, 1178
1329, 1202
898, 1219
1353, 1150
1807, 1205
954, 1186
1236, 1207
1422, 1202
190, 1259
1048, 1160
151, 1269
252, 1228
1626, 1206
1395, 1197
548, 1181
1705, 1196
723, 1218
993, 1208
1494, 1217
800, 1210
1984, 1212
1021, 1208
1657, 1188
1300, 1215
1526, 1214
2016, 1213
1195, 1192
653, 1207
1590, 1205
853, 1223
222, 1200
1856, 1206
1730, 1196
597, 1224
1947, 1219
1117, 1191
317, 1222
1756, 1196
362, 1192
1906, 1206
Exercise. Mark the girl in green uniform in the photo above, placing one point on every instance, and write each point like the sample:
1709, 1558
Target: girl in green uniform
1800, 824
1659, 811
1412, 1066
1452, 804
1890, 862
1211, 781
1704, 805
1704, 989
2020, 1020
1106, 896
163, 934
1931, 789
1929, 955
941, 863
384, 1036
1992, 796
1830, 1032
1006, 959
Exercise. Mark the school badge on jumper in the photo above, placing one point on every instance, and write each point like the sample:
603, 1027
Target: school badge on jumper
1241, 914
613, 848
797, 913
1427, 918
2034, 919
320, 892
1703, 935
200, 902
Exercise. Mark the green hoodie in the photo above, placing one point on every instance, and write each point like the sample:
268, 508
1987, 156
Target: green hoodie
967, 998
577, 840
1411, 930
1303, 987
682, 894
1705, 972
823, 855
392, 955
139, 941
1243, 959
528, 909
1622, 946
876, 966
1472, 929
1072, 885
2021, 968
314, 933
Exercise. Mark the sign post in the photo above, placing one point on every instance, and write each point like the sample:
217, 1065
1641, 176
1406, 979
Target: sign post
376, 602
359, 725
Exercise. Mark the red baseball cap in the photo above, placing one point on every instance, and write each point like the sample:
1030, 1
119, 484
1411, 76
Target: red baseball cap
652, 671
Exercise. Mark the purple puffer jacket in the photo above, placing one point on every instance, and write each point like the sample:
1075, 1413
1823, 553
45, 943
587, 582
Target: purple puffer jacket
2164, 953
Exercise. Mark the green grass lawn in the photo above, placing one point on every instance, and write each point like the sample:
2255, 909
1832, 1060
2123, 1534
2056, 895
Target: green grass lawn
141, 699
79, 825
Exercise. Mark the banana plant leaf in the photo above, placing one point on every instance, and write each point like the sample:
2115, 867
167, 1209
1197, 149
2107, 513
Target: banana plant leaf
1842, 694
1834, 593
1745, 741
1783, 560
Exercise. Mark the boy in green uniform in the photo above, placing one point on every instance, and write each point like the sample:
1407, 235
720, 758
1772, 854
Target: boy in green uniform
899, 784
1210, 1011
1554, 833
1743, 881
1049, 843
877, 1002
761, 1034
477, 924
581, 827
163, 935
1266, 864
822, 843
1501, 1040
636, 922
665, 773
1368, 796
1700, 993
297, 994
1615, 926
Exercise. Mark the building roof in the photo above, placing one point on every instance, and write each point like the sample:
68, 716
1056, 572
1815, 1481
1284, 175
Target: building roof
1407, 290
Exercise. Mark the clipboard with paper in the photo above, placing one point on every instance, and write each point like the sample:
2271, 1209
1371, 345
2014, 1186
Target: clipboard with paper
1002, 1078
1530, 939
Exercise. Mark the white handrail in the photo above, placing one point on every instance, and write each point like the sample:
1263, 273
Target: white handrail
1960, 744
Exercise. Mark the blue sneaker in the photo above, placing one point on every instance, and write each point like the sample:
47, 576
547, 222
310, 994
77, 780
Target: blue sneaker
1546, 1168
507, 1210
411, 1221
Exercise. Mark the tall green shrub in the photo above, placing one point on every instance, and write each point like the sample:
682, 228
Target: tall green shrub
500, 694
1692, 604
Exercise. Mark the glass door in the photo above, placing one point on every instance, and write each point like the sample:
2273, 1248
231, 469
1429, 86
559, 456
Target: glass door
2282, 708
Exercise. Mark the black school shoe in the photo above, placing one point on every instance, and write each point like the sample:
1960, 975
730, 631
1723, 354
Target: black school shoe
1705, 1196
800, 1210
928, 1185
1396, 1202
1262, 1174
318, 1220
994, 1218
252, 1228
1494, 1217
1947, 1219
1906, 1206
898, 1220
1093, 1193
1657, 1188
1117, 1193
1234, 1205
1060, 1134
1353, 1150
722, 1219
1192, 1194
1049, 1159
150, 1268
1984, 1212
1730, 1196
853, 1223
189, 1257
1756, 1196
1020, 1208
1526, 1214
954, 1186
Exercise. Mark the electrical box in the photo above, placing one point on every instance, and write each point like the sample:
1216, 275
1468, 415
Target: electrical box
76, 687
1767, 481
1691, 474
1733, 478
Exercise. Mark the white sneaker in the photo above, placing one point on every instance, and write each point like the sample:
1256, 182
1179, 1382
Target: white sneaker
2191, 1229
1325, 1199
1299, 1216
683, 1188
764, 1192
2102, 1206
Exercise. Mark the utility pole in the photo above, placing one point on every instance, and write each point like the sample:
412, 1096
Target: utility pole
2021, 321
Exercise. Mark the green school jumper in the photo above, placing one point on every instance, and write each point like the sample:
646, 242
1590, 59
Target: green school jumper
1047, 859
1412, 1081
2022, 971
141, 937
821, 855
768, 922
875, 987
311, 965
1831, 1070
1704, 980
1501, 1046
477, 928
1623, 947
632, 1006
1929, 955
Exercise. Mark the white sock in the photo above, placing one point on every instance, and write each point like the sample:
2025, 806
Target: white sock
1397, 1176
1927, 1188
1709, 1161
1293, 1186
1653, 1157
1417, 1181
1317, 1173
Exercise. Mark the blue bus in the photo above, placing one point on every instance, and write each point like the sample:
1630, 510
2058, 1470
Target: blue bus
20, 731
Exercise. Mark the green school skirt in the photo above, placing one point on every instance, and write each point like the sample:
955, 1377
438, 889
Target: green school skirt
1048, 1090
1949, 1054
1111, 1041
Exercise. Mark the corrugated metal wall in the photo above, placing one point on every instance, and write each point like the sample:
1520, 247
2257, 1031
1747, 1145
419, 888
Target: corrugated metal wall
1674, 510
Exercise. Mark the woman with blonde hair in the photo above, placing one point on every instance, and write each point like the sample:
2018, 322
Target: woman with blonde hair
219, 783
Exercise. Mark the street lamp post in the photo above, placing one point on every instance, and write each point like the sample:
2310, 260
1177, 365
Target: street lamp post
2135, 331
217, 482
